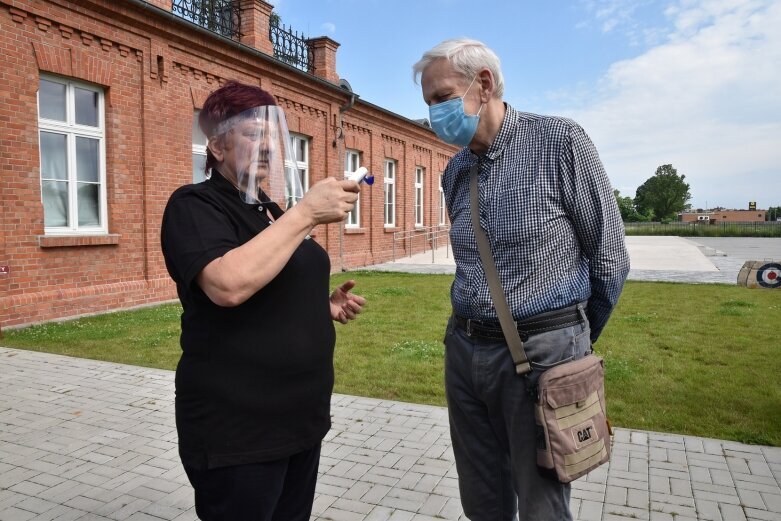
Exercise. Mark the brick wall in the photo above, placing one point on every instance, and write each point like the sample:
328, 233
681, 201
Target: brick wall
155, 72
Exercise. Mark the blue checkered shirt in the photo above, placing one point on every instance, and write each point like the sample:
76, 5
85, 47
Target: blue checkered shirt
550, 216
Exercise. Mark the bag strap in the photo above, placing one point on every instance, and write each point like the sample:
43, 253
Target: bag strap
509, 328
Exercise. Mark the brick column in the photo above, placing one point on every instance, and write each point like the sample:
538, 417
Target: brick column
255, 15
162, 4
324, 58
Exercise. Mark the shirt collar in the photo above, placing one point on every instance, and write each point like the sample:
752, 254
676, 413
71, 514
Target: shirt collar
225, 186
509, 123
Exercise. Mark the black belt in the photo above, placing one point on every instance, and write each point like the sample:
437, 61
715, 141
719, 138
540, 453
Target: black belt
541, 323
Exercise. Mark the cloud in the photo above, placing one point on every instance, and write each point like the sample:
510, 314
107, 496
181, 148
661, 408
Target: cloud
620, 16
328, 27
706, 100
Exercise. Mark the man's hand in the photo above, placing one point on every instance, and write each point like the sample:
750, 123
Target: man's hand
344, 305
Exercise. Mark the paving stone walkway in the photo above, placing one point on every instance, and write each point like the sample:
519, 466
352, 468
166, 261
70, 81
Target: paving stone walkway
88, 440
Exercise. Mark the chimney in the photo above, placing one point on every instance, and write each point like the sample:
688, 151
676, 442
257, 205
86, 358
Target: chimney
255, 16
166, 5
324, 58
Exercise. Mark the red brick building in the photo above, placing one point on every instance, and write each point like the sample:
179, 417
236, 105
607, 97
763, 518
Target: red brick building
97, 104
728, 216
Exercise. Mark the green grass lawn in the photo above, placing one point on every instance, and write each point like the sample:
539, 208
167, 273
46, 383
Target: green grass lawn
703, 359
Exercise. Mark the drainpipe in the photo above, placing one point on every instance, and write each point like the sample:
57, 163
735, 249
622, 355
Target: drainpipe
340, 150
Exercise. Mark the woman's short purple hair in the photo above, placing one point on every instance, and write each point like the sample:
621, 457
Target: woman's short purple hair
229, 100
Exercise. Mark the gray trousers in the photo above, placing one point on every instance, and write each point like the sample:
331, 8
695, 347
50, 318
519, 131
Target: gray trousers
492, 424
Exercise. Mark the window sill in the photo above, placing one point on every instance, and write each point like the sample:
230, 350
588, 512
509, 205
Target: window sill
354, 231
64, 241
390, 229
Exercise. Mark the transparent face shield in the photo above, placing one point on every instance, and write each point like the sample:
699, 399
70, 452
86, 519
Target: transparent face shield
258, 154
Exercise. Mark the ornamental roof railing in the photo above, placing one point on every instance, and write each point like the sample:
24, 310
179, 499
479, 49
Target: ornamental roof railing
222, 17
290, 47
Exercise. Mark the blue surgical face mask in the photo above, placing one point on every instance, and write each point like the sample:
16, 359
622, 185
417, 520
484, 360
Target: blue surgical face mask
451, 123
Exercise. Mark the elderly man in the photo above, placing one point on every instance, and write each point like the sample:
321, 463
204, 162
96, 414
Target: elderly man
557, 239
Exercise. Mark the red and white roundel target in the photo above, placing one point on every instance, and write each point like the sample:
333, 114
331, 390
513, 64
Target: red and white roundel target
769, 275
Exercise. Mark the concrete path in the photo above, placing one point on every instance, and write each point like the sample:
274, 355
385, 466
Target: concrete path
87, 440
666, 254
663, 259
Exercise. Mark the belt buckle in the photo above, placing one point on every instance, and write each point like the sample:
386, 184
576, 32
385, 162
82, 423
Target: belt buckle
469, 327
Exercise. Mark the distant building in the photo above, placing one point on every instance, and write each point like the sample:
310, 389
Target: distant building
716, 216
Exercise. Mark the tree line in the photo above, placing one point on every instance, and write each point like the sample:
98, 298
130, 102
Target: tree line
662, 197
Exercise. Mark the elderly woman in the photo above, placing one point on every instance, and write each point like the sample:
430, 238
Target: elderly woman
254, 382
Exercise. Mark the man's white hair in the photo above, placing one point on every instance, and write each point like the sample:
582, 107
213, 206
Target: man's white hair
467, 57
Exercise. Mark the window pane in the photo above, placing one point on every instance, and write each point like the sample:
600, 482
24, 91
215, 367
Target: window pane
352, 217
51, 99
199, 168
55, 203
302, 176
199, 138
300, 150
87, 159
54, 156
441, 204
88, 204
86, 107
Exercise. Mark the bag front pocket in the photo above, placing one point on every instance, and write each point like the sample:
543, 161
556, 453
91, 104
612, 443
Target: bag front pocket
573, 434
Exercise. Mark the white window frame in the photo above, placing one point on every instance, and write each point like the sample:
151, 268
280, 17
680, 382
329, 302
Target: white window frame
199, 149
389, 194
301, 164
420, 181
442, 208
352, 161
72, 130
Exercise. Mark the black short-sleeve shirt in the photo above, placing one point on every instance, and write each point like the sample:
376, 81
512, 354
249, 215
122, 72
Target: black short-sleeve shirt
254, 381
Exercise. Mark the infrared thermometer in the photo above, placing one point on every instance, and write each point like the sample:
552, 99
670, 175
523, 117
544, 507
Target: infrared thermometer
362, 174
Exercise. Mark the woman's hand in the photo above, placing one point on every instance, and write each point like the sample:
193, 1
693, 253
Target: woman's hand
344, 305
